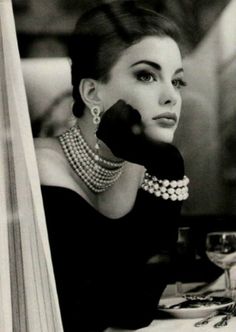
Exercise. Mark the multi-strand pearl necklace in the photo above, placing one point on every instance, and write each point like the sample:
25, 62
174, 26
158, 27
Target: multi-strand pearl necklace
166, 189
96, 172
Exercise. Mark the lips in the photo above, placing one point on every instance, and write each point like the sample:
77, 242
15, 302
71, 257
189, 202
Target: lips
166, 119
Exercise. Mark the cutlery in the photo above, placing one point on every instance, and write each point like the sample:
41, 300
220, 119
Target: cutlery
229, 312
227, 317
206, 319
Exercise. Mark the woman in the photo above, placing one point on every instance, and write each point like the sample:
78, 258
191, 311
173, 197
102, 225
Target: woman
112, 224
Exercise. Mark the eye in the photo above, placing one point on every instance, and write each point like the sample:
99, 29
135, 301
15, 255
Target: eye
179, 83
145, 76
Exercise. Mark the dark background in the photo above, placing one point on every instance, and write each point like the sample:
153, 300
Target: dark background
43, 26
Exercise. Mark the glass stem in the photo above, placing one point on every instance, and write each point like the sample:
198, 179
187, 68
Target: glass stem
227, 282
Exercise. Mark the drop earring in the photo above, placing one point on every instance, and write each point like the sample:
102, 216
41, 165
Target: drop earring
95, 111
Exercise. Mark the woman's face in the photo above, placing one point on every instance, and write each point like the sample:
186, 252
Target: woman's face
149, 77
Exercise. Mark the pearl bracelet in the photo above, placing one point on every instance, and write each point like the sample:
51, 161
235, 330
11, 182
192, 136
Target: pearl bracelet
174, 189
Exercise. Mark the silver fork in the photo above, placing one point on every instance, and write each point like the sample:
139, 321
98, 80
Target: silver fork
224, 320
207, 319
213, 314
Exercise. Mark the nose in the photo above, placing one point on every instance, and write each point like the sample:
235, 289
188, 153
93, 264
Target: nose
168, 96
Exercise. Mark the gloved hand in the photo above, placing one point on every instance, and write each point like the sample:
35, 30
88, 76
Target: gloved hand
121, 129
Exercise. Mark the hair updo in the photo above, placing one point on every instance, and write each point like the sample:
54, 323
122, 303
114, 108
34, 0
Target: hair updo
102, 33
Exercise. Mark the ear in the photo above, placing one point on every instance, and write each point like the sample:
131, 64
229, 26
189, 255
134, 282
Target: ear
88, 89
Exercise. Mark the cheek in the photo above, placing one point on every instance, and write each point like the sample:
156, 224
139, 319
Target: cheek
140, 98
179, 107
112, 94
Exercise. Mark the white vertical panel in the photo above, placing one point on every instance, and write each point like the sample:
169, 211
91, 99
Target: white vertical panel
27, 285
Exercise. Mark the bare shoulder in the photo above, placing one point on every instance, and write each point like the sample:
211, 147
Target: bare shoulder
54, 169
52, 165
47, 149
46, 143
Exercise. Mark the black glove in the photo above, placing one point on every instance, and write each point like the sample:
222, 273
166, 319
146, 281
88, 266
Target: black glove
121, 129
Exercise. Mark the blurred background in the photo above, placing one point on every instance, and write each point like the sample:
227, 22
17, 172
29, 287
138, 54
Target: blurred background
206, 135
43, 26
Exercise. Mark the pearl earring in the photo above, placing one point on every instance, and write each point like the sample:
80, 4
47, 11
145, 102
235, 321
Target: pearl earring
95, 111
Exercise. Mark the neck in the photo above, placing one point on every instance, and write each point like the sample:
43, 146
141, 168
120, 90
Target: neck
117, 199
88, 130
96, 172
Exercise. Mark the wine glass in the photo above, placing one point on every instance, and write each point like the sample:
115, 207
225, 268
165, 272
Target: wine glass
221, 250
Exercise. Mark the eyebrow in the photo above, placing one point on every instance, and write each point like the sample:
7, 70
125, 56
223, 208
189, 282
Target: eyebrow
155, 65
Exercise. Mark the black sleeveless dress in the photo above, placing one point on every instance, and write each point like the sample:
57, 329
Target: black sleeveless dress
100, 264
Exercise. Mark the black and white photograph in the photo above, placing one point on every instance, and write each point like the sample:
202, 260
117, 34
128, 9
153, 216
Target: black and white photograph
117, 165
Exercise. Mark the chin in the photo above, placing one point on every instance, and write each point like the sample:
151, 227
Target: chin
164, 135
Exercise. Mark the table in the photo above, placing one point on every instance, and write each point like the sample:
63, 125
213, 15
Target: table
186, 325
182, 325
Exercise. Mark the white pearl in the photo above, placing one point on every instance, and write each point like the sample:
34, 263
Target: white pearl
156, 186
180, 183
173, 184
165, 196
186, 180
180, 197
166, 183
173, 197
178, 191
171, 191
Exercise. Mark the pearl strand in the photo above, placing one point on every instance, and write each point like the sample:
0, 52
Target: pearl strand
84, 162
77, 133
174, 190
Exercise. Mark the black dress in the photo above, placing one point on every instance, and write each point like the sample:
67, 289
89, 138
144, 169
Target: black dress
100, 264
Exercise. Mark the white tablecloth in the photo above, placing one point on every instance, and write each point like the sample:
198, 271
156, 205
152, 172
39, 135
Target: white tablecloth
183, 325
187, 325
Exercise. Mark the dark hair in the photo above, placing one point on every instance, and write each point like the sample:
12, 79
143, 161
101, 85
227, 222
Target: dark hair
102, 33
